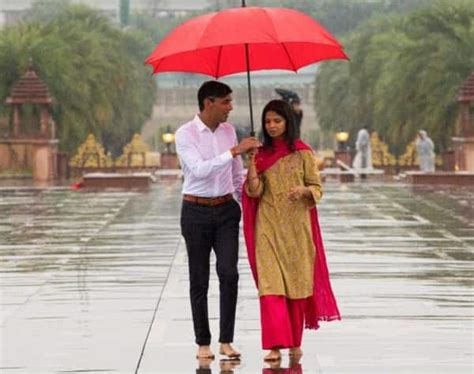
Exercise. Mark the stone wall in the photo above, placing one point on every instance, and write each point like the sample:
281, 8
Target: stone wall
38, 156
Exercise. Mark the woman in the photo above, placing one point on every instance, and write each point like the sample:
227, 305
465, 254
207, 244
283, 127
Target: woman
425, 151
282, 235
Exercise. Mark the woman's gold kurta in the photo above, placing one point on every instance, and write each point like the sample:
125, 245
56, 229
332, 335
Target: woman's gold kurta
285, 252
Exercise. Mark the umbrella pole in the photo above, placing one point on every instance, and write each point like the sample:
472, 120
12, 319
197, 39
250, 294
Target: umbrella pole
249, 85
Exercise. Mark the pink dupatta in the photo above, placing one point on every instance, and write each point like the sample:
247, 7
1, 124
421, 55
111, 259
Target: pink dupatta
322, 305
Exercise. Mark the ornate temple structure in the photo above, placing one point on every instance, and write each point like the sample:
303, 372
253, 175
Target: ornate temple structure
464, 139
31, 146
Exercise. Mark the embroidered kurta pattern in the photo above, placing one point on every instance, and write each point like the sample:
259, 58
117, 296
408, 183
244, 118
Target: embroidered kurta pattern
285, 252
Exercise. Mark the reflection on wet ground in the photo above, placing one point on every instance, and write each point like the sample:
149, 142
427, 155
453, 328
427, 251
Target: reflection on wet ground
97, 282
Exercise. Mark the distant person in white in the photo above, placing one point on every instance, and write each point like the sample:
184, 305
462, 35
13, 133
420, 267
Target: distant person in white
213, 175
363, 157
425, 151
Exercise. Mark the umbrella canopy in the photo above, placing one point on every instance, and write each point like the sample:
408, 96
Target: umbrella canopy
245, 39
214, 44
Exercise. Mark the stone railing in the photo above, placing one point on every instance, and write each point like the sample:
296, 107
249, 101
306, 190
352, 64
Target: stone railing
382, 158
91, 157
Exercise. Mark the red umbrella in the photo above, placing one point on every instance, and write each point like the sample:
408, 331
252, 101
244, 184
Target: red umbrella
245, 39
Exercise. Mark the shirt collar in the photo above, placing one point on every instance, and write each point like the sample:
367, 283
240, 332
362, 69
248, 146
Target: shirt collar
202, 126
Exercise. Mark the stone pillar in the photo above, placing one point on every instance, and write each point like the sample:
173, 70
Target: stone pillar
16, 121
464, 153
44, 120
4, 155
467, 126
41, 164
469, 154
464, 142
44, 163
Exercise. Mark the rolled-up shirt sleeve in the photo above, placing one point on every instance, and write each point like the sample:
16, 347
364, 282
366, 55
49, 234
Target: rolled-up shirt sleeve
190, 158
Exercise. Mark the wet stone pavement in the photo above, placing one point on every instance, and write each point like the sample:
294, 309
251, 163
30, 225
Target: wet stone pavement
97, 283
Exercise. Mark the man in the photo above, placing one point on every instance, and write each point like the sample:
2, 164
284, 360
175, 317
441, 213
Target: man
298, 113
212, 168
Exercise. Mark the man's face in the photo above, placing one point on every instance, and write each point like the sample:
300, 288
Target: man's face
219, 108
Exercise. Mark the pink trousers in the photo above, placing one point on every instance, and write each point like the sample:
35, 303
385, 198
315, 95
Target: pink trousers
282, 321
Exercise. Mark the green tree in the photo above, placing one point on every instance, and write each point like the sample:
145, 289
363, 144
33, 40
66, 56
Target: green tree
404, 74
338, 16
92, 67
437, 58
151, 30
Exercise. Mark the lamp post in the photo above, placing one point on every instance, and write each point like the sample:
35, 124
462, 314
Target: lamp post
343, 155
169, 159
342, 137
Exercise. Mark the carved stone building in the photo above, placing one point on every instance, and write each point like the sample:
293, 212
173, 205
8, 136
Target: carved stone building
464, 139
31, 145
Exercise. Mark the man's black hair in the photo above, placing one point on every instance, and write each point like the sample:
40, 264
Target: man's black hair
211, 90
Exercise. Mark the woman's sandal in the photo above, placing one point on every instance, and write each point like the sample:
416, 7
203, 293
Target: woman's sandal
272, 356
295, 352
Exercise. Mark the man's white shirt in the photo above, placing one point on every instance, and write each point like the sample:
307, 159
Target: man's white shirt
208, 166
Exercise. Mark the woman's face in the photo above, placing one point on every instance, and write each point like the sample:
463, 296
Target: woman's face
275, 125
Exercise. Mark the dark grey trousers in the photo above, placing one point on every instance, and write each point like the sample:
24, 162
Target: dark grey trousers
205, 228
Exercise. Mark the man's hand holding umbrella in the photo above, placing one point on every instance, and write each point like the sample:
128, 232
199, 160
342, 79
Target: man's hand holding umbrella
249, 144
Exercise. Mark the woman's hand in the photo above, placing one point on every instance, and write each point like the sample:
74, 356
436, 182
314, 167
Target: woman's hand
297, 193
252, 153
252, 176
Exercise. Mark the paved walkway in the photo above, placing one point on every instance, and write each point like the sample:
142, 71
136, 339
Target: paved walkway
97, 282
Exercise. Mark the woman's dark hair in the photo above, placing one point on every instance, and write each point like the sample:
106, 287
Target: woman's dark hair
211, 90
283, 109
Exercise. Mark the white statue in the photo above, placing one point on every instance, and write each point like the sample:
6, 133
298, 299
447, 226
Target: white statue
425, 151
363, 157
